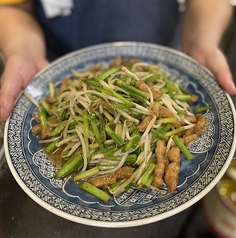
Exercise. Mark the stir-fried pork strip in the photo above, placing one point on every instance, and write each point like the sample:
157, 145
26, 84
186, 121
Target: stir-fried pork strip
187, 139
36, 130
191, 119
166, 113
156, 93
193, 99
64, 84
139, 84
200, 126
173, 168
145, 122
173, 154
144, 87
160, 152
107, 180
119, 62
45, 134
154, 108
171, 176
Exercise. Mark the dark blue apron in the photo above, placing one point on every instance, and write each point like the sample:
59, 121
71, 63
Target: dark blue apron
99, 21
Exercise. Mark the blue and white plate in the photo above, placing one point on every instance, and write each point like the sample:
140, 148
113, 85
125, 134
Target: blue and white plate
212, 153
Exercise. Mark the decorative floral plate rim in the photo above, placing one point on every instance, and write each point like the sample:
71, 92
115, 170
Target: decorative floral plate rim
208, 166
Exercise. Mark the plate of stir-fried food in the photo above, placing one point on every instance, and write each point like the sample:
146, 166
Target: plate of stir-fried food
120, 134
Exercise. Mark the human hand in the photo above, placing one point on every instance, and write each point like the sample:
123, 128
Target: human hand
214, 59
18, 72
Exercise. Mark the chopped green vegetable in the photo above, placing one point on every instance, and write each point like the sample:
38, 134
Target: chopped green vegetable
43, 119
69, 167
52, 90
105, 119
86, 174
182, 147
88, 187
114, 136
202, 109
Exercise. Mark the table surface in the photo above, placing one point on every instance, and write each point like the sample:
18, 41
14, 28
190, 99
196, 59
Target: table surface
21, 217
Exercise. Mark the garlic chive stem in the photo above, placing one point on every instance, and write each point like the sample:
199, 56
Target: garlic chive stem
182, 147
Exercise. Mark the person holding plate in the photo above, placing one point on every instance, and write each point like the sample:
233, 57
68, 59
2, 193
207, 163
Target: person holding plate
35, 32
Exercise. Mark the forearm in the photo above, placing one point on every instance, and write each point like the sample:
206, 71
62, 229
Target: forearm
22, 44
19, 32
205, 20
203, 27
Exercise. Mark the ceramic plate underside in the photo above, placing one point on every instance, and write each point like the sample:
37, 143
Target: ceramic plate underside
212, 153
